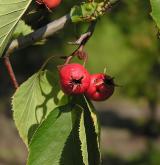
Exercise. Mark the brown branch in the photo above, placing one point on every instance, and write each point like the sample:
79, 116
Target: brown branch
10, 71
82, 40
42, 33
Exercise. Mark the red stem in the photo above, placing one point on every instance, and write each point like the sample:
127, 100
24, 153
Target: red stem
10, 72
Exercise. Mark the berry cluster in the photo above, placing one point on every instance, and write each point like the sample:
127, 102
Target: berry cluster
75, 79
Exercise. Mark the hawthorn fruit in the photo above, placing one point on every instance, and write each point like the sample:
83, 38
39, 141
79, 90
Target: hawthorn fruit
101, 87
74, 79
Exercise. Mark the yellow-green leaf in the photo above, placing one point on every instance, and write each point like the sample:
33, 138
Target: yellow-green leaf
155, 4
56, 142
11, 12
32, 102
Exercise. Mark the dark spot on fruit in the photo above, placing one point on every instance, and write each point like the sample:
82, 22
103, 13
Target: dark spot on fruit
79, 81
109, 81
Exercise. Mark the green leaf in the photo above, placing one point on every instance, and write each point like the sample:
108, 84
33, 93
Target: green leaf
92, 130
84, 12
33, 101
72, 153
156, 11
93, 139
94, 119
22, 29
83, 139
76, 14
56, 140
11, 12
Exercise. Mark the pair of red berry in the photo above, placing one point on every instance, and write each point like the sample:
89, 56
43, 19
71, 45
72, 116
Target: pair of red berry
75, 79
50, 4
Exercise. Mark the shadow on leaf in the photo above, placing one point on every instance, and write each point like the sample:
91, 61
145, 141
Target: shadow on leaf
44, 108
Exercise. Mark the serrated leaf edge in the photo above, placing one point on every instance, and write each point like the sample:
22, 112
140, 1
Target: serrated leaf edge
84, 156
12, 103
96, 123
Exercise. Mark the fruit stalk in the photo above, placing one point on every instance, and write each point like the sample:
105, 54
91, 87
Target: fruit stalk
10, 72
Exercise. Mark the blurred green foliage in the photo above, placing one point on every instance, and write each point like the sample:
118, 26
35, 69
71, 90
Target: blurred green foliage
125, 43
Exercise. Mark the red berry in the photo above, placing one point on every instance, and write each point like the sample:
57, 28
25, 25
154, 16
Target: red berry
74, 79
50, 4
101, 87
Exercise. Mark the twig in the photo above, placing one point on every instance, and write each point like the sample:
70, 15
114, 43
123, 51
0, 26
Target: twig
83, 39
80, 39
42, 33
81, 42
10, 71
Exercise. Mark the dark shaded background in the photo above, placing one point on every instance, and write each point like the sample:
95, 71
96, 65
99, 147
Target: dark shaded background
124, 42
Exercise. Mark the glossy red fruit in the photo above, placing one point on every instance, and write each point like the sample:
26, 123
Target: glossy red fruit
74, 79
101, 87
50, 4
